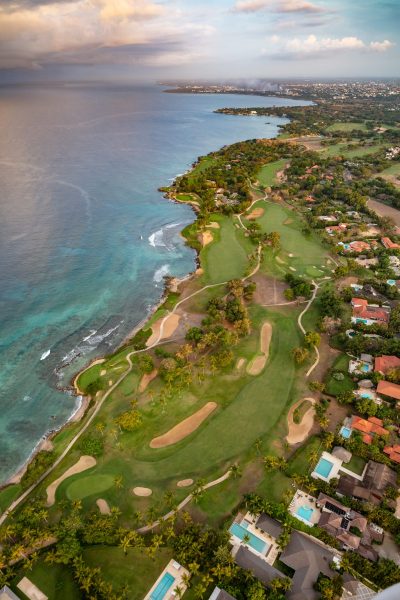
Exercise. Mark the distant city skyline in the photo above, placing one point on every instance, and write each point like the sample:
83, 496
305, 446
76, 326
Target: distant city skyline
139, 40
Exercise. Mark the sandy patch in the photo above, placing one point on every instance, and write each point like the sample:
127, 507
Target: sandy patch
170, 324
184, 483
297, 433
184, 428
110, 382
146, 379
205, 238
288, 222
256, 213
103, 507
142, 491
213, 225
30, 590
279, 260
199, 272
258, 363
240, 363
383, 210
103, 372
84, 463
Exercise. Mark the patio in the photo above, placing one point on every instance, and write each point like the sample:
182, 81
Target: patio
303, 507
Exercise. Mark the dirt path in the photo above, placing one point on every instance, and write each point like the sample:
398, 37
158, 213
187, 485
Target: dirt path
184, 428
300, 324
83, 464
146, 379
298, 432
169, 323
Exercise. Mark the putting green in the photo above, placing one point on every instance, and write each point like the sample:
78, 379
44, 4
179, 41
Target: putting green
87, 486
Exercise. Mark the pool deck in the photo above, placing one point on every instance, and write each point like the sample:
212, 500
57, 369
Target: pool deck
336, 467
301, 499
272, 550
178, 572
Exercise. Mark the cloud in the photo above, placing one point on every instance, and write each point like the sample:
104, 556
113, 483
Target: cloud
312, 46
39, 32
279, 6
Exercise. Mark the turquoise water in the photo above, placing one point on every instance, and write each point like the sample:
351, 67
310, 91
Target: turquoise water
345, 432
324, 467
305, 513
162, 587
255, 542
85, 237
366, 368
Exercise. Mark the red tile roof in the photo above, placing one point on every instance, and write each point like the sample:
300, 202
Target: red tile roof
387, 242
372, 425
358, 246
389, 389
393, 452
383, 364
363, 310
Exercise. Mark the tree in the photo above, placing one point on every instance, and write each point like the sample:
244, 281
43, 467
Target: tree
312, 338
300, 355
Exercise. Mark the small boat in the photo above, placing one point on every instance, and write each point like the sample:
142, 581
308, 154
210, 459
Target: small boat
45, 355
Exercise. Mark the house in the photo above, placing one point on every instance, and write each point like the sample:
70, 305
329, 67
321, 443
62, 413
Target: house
355, 246
310, 199
368, 262
395, 265
362, 365
262, 570
355, 590
327, 218
219, 594
368, 314
384, 363
173, 577
377, 478
386, 388
308, 558
393, 452
389, 245
7, 594
332, 229
369, 427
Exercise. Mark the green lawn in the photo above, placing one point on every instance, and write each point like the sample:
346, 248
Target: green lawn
352, 151
226, 257
134, 569
350, 126
299, 254
300, 462
335, 387
356, 465
55, 581
394, 169
267, 174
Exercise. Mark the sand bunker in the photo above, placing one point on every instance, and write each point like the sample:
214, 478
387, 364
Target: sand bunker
146, 379
258, 363
170, 324
240, 363
184, 483
103, 507
142, 491
297, 433
205, 238
256, 213
213, 225
184, 428
103, 372
84, 463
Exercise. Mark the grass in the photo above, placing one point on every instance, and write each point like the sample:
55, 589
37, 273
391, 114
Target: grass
226, 257
8, 495
267, 174
134, 569
350, 149
304, 254
55, 581
350, 126
335, 387
301, 411
300, 461
392, 170
356, 465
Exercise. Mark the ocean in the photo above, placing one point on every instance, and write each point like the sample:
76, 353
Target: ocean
85, 238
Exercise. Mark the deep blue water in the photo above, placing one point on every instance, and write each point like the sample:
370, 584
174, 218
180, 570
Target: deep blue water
85, 237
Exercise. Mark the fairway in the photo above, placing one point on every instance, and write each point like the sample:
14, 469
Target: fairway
226, 257
351, 126
267, 174
343, 149
304, 254
86, 486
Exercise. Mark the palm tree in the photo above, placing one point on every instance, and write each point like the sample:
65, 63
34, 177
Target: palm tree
100, 428
119, 482
235, 471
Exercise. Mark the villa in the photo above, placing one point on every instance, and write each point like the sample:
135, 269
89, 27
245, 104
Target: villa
362, 365
368, 427
172, 579
356, 246
368, 262
332, 229
384, 363
304, 508
395, 264
391, 390
389, 245
219, 594
393, 452
371, 488
257, 535
368, 314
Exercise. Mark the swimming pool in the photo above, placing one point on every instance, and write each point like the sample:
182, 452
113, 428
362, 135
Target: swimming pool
162, 587
367, 395
391, 282
305, 513
255, 542
345, 432
324, 467
366, 368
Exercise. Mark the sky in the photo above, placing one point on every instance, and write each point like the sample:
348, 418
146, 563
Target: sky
138, 40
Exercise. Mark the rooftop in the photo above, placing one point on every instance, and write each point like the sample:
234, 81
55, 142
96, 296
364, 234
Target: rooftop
389, 389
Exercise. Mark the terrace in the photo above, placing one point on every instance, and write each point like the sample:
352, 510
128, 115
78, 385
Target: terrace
330, 466
362, 365
169, 582
303, 507
257, 534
